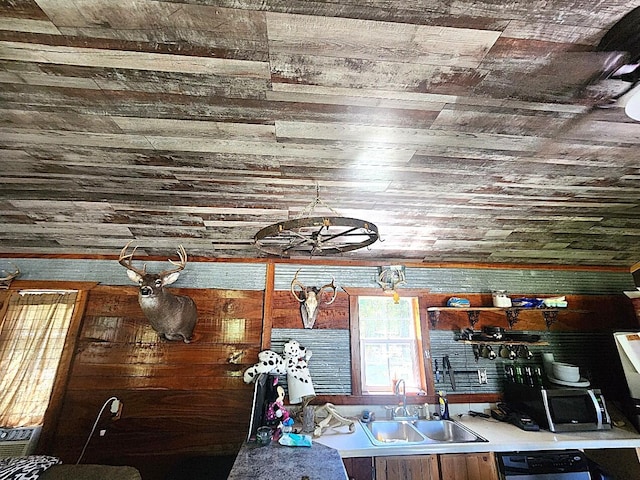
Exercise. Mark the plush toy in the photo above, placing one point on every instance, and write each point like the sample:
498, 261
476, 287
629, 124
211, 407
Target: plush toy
296, 357
294, 363
276, 414
269, 362
298, 377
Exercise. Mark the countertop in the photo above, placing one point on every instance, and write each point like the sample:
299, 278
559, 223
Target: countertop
500, 436
317, 462
323, 460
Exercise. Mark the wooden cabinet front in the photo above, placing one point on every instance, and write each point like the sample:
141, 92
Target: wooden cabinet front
418, 467
359, 468
451, 466
468, 466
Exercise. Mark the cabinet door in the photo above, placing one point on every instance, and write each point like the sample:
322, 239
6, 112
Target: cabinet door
468, 466
418, 467
359, 468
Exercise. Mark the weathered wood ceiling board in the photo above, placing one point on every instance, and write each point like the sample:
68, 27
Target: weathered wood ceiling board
458, 127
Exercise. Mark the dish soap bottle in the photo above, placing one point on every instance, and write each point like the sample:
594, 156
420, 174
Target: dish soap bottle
443, 405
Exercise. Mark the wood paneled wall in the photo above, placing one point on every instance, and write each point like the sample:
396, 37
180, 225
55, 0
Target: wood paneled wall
179, 399
590, 313
286, 312
185, 400
4, 295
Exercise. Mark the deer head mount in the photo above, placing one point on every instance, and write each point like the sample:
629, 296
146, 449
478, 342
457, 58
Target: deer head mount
172, 316
308, 298
7, 277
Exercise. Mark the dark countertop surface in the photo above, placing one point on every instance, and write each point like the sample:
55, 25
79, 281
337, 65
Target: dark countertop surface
275, 461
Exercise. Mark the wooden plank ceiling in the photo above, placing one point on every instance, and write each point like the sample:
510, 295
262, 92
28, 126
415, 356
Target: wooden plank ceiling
454, 126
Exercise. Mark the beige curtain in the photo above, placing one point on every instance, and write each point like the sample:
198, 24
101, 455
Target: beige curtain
32, 335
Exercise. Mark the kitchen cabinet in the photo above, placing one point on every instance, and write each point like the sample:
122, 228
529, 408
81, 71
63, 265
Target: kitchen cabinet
450, 466
359, 468
468, 466
410, 467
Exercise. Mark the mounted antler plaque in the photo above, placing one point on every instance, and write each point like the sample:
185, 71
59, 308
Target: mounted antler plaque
7, 277
308, 298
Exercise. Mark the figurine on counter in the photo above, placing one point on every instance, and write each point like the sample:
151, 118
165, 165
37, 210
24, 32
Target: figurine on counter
276, 412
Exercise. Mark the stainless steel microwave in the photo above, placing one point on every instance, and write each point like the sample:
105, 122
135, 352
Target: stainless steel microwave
560, 409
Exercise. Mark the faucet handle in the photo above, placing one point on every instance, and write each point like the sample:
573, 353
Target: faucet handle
368, 416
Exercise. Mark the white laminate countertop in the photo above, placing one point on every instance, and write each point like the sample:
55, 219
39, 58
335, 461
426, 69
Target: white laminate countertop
502, 437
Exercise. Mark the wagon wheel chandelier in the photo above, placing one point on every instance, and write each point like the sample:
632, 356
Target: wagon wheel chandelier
316, 235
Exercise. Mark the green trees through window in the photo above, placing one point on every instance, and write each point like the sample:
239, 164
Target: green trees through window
389, 343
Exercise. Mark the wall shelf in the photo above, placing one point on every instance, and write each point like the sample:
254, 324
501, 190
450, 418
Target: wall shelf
501, 342
473, 314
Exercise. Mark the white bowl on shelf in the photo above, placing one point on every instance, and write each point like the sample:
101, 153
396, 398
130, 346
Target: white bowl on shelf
566, 372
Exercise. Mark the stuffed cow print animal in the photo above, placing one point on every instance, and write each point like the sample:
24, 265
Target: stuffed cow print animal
292, 362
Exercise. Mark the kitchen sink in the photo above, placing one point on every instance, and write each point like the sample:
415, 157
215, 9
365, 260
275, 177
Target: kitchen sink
446, 431
402, 432
392, 432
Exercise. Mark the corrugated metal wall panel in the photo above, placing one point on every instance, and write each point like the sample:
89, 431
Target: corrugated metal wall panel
461, 280
317, 275
251, 276
563, 282
229, 276
594, 353
330, 365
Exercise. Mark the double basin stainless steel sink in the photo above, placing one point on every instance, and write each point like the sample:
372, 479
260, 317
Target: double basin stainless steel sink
416, 432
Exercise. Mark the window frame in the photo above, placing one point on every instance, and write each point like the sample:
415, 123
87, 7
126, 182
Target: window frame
424, 355
52, 413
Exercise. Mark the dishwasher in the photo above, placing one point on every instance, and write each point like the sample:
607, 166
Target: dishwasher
547, 465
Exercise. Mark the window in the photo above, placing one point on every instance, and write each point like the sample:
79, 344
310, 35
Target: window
389, 344
32, 335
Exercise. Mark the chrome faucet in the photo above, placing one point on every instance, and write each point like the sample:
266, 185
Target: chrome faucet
400, 391
402, 398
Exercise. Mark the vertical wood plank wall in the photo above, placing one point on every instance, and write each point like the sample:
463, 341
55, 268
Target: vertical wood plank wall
178, 399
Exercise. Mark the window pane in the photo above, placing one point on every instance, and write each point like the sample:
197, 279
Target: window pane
388, 343
380, 317
376, 371
388, 362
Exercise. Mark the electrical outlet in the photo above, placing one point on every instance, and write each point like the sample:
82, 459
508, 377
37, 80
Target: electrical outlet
116, 409
482, 376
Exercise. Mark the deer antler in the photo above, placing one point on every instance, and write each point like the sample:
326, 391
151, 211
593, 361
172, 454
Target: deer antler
6, 281
390, 279
125, 260
295, 282
333, 286
179, 265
